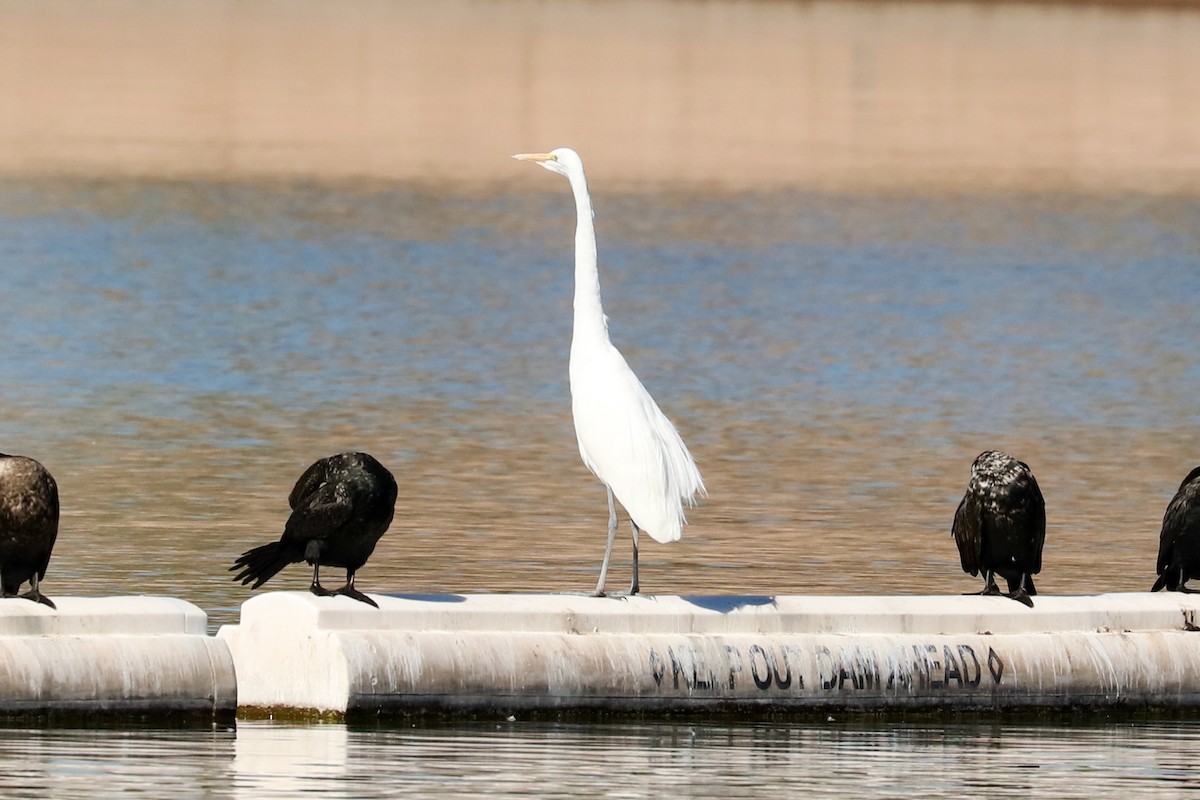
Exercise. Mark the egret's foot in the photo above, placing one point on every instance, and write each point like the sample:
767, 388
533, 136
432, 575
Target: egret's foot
355, 594
1021, 596
320, 591
597, 593
38, 597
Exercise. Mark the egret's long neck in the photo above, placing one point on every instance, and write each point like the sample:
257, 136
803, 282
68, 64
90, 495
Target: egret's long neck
589, 315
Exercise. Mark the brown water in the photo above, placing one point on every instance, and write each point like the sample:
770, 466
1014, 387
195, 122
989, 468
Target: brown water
847, 246
861, 95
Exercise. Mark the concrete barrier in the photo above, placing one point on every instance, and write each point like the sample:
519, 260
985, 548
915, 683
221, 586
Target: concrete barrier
112, 655
561, 653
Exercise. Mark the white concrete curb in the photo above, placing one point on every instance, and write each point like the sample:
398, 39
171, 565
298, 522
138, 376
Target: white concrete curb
504, 653
112, 655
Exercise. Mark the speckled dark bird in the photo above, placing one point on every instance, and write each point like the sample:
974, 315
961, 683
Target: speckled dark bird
340, 507
28, 525
1179, 541
1000, 525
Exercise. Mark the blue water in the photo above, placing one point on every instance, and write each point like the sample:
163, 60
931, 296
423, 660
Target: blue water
178, 352
986, 317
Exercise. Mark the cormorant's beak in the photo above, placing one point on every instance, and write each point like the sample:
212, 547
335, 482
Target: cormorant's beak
538, 157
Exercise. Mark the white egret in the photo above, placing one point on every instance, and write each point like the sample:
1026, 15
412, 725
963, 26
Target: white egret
624, 439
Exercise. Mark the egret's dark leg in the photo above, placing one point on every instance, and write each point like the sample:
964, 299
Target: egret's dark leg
633, 587
349, 591
612, 535
36, 596
316, 587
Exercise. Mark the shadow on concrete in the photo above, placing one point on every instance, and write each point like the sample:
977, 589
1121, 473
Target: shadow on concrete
726, 604
430, 598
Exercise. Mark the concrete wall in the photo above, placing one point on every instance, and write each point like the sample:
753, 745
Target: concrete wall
506, 653
112, 655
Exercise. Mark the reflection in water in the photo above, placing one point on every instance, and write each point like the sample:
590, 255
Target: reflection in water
515, 759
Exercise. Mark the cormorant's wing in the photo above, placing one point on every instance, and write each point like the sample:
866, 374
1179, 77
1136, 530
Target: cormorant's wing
968, 532
1182, 512
1037, 517
309, 483
319, 506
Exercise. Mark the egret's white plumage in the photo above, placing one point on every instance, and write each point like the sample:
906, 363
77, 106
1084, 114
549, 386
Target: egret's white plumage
624, 438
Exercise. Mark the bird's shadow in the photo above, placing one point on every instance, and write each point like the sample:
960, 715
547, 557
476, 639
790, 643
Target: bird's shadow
724, 604
430, 598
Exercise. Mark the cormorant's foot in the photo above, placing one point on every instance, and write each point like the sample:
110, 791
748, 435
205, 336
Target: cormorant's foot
1186, 590
355, 594
989, 591
320, 591
38, 597
1021, 596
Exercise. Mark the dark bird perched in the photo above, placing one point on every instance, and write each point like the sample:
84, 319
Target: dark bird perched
340, 507
1179, 541
1000, 525
28, 525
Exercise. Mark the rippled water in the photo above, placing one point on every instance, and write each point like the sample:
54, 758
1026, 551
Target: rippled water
515, 759
178, 353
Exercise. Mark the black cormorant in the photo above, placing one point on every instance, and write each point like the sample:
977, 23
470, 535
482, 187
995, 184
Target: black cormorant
1000, 525
340, 507
28, 525
1179, 542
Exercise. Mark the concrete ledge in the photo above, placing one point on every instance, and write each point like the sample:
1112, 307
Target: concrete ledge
112, 655
503, 653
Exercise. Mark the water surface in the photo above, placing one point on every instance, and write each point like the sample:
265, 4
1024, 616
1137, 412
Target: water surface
178, 353
514, 759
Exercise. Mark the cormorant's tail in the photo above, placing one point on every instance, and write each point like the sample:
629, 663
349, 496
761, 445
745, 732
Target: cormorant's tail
1161, 583
260, 564
1030, 589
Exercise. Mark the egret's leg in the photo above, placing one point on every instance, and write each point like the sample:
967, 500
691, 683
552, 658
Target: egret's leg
316, 587
349, 591
612, 535
633, 587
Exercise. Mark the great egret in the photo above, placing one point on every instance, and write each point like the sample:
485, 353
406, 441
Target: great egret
1179, 541
28, 525
624, 439
340, 507
1000, 525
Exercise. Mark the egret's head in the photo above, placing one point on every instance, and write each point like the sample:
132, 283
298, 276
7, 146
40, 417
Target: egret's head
564, 160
